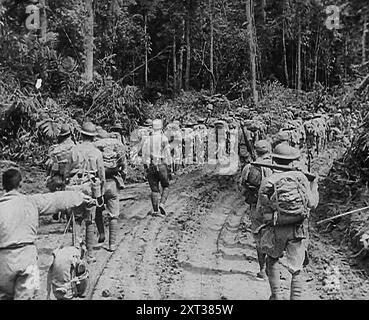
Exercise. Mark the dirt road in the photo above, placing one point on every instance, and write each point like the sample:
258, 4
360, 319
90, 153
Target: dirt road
200, 250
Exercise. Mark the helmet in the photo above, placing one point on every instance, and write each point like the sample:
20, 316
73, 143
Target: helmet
88, 129
157, 124
64, 130
117, 125
284, 151
262, 146
102, 134
148, 123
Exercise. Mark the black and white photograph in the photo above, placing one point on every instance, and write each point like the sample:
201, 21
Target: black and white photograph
198, 152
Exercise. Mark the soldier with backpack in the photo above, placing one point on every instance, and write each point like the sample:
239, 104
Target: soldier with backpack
285, 200
249, 184
85, 171
58, 157
115, 164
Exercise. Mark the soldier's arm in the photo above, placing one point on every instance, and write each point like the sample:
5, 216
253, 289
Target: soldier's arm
50, 203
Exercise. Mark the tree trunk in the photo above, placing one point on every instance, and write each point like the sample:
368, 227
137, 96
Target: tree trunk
298, 67
316, 57
188, 46
363, 40
263, 12
175, 74
252, 48
211, 8
146, 50
180, 66
89, 41
43, 21
285, 53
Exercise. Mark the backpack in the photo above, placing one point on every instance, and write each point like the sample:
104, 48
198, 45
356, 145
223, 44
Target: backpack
252, 184
68, 276
59, 158
288, 202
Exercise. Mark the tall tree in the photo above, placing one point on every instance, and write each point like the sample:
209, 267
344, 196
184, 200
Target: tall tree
211, 12
252, 49
89, 41
43, 20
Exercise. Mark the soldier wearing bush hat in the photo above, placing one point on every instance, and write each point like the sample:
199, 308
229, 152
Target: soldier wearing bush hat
289, 230
86, 167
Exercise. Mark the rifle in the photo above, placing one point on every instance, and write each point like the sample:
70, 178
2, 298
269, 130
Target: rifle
249, 145
310, 176
341, 215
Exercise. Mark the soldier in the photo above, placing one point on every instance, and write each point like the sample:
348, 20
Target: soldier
249, 184
285, 200
115, 164
117, 132
137, 137
85, 169
58, 157
19, 215
158, 164
282, 137
188, 142
200, 133
246, 148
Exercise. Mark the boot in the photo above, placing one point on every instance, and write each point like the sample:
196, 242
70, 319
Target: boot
262, 263
296, 286
155, 201
274, 279
100, 225
113, 231
163, 200
89, 241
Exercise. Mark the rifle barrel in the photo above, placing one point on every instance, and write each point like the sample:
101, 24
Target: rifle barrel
341, 215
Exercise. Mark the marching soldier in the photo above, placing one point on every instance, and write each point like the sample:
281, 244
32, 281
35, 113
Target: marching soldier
85, 169
285, 200
58, 157
249, 184
19, 215
246, 148
115, 164
158, 166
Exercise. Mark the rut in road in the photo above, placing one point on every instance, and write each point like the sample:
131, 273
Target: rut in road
200, 250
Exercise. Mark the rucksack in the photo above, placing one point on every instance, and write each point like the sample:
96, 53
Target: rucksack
59, 158
288, 202
68, 276
252, 184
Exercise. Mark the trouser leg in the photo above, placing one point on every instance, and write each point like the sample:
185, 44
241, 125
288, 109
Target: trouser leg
155, 201
296, 286
274, 278
99, 220
261, 260
113, 232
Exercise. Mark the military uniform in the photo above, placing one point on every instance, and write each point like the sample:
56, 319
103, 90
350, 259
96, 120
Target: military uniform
289, 239
263, 149
157, 164
85, 171
57, 160
115, 164
19, 215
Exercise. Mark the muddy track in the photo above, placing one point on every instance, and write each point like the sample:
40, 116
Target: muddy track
200, 250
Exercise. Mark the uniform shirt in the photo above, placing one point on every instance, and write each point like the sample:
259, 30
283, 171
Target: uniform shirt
19, 213
85, 157
159, 149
